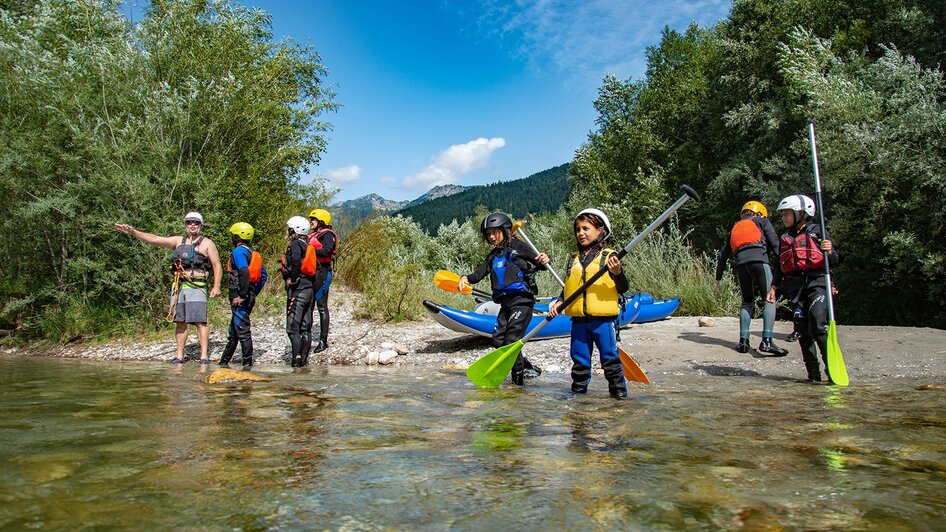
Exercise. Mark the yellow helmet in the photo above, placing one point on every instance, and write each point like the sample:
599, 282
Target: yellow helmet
243, 230
321, 215
755, 207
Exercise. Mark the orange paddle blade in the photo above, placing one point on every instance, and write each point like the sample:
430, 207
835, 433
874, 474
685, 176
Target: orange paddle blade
632, 371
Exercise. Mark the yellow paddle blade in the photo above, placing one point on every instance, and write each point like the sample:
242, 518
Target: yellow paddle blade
447, 281
451, 286
444, 275
491, 370
835, 360
632, 371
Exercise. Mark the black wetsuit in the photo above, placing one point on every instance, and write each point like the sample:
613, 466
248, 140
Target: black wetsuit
299, 303
808, 290
753, 273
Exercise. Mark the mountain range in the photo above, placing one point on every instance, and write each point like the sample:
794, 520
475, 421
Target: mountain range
539, 193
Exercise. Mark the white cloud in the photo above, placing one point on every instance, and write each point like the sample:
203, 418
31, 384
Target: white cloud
455, 162
591, 38
344, 175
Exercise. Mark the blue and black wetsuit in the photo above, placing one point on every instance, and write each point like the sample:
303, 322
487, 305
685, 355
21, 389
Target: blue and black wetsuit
323, 280
511, 271
238, 284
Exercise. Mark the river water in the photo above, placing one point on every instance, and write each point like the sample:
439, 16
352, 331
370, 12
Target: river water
140, 445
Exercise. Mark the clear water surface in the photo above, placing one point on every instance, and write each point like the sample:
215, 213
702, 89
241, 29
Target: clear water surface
140, 445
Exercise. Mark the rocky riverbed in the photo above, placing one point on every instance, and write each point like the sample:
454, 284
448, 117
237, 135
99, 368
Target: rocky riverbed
678, 345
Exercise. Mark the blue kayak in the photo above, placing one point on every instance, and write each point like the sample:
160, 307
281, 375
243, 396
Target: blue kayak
632, 311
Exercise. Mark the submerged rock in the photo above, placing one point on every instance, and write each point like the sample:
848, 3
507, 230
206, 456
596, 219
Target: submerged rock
232, 375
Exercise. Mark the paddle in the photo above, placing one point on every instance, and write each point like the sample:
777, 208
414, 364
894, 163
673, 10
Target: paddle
448, 281
835, 361
632, 371
491, 370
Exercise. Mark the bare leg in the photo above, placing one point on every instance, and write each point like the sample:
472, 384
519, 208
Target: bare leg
180, 336
203, 336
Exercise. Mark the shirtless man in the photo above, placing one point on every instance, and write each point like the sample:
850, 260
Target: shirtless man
194, 255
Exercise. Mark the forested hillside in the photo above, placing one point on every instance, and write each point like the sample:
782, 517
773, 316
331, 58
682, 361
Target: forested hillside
539, 193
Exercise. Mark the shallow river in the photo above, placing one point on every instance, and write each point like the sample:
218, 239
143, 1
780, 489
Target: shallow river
140, 445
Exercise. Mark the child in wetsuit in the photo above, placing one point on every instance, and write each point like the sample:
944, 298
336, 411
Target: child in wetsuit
751, 240
511, 266
594, 314
244, 280
803, 248
298, 270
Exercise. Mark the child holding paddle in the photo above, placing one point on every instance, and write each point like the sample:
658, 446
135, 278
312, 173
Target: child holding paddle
594, 312
511, 266
803, 250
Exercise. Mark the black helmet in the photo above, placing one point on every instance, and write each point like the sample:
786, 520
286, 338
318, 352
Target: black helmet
496, 220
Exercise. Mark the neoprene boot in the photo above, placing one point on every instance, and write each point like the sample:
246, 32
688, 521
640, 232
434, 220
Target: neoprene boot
321, 346
580, 387
517, 377
247, 362
743, 345
768, 347
531, 371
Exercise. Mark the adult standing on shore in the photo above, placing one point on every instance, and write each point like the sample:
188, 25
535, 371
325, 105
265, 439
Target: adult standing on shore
193, 258
325, 242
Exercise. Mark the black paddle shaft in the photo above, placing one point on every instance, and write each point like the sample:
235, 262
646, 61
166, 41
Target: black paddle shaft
689, 193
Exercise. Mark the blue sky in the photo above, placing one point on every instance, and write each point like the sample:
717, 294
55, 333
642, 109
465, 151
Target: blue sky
444, 91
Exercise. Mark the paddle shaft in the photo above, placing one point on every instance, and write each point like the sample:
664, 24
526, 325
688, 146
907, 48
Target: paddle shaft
824, 229
688, 193
535, 250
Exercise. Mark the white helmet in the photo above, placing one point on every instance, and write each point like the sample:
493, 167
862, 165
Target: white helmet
797, 203
194, 216
299, 225
599, 214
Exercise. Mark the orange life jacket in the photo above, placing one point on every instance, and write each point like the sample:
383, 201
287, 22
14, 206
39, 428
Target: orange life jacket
256, 265
745, 233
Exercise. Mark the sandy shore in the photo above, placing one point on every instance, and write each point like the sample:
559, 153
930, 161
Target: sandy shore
677, 345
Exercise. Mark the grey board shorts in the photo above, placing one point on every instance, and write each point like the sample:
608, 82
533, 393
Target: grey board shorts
191, 306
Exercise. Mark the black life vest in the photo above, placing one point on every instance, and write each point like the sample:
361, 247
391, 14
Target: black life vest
186, 257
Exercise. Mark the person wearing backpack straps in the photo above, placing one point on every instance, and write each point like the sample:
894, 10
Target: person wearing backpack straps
246, 276
801, 276
751, 241
511, 266
298, 272
194, 257
325, 241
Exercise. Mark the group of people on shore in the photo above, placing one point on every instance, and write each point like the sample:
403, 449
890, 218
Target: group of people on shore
306, 268
800, 254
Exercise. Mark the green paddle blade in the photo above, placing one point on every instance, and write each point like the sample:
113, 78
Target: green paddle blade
491, 370
835, 360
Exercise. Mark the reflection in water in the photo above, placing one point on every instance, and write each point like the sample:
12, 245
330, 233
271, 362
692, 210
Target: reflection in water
140, 445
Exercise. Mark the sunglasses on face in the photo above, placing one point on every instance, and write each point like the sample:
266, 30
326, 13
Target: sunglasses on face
191, 222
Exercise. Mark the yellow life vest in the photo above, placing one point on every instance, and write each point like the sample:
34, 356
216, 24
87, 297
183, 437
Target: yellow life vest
601, 298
